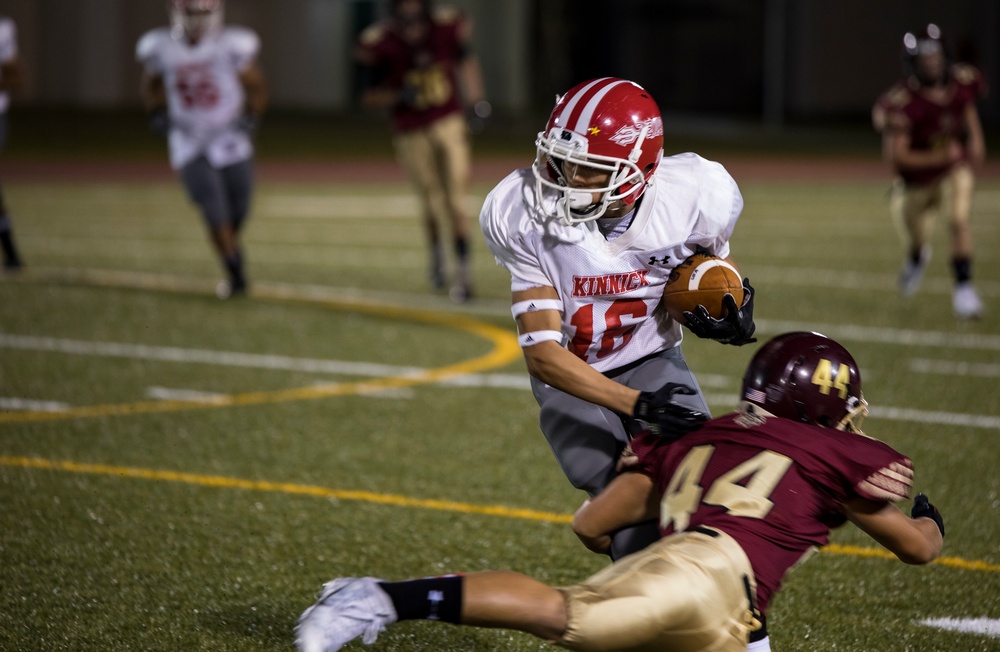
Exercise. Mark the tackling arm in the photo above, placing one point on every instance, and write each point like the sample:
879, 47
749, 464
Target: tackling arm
629, 499
551, 363
913, 540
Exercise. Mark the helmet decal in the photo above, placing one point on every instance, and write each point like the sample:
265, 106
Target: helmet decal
628, 134
609, 125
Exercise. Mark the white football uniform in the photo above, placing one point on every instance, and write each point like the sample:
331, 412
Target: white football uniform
205, 98
8, 51
611, 290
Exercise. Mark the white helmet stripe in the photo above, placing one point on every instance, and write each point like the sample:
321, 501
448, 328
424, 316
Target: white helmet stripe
570, 107
585, 113
583, 122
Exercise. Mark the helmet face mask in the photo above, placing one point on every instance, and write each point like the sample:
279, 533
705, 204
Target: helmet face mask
194, 19
925, 56
807, 377
608, 128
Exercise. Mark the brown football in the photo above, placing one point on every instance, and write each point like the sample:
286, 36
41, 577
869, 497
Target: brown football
702, 279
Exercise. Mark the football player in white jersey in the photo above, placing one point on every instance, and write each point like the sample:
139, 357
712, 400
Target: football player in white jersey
10, 80
590, 233
205, 91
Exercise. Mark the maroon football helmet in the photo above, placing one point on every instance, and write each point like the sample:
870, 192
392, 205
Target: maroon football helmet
611, 125
806, 377
926, 43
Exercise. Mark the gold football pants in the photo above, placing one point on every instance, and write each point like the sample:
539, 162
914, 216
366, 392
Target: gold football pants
684, 593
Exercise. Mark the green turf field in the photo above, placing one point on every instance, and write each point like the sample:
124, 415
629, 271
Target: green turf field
179, 473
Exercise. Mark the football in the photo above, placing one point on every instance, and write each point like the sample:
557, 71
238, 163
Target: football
701, 280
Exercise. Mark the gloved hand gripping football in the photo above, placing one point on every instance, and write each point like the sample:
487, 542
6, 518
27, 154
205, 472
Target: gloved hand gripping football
658, 413
736, 328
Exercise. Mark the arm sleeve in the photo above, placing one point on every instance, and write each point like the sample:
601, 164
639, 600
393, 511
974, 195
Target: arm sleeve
147, 51
8, 40
243, 46
510, 247
720, 208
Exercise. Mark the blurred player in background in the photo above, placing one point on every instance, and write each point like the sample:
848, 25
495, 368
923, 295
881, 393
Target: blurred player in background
205, 91
741, 501
10, 80
418, 64
933, 138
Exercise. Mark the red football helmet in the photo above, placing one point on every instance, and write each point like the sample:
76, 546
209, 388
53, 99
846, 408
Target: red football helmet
809, 378
195, 18
611, 125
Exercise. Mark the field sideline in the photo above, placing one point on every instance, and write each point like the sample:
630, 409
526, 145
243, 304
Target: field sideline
182, 473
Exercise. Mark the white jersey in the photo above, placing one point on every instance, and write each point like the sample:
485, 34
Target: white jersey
8, 52
611, 291
205, 98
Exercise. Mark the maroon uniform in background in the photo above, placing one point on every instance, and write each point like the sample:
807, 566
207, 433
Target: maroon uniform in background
932, 137
774, 485
930, 125
419, 67
425, 73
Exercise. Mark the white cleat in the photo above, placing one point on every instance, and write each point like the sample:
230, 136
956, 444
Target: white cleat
347, 607
966, 302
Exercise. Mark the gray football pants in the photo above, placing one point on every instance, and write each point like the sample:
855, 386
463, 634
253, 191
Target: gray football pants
222, 194
587, 438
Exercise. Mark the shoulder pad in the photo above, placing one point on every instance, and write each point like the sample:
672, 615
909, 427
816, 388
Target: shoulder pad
150, 42
963, 73
898, 96
241, 41
372, 34
447, 15
8, 31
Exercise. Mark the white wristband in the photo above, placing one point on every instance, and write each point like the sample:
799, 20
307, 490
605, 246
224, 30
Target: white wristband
534, 337
534, 305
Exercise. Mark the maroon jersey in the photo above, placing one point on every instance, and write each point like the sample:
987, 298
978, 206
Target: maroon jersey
426, 70
775, 485
931, 125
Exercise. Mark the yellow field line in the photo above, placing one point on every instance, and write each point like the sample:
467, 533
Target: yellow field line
504, 351
222, 482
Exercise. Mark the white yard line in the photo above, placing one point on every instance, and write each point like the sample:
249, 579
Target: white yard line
982, 626
877, 335
170, 394
949, 368
10, 403
499, 381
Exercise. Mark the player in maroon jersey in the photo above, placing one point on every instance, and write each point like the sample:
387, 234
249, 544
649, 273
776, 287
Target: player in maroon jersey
418, 64
933, 138
741, 500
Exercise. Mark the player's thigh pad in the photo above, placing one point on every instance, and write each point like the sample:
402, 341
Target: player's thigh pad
957, 189
684, 593
206, 188
238, 178
585, 438
913, 209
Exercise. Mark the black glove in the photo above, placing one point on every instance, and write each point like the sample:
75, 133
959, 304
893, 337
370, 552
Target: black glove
159, 121
408, 96
735, 328
922, 508
658, 413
